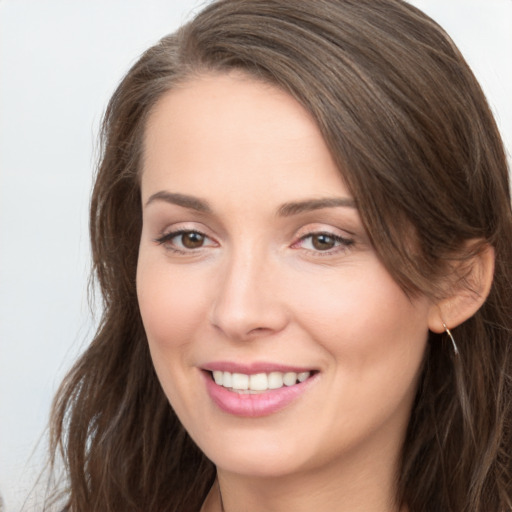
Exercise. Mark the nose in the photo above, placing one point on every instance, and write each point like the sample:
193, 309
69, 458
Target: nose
248, 301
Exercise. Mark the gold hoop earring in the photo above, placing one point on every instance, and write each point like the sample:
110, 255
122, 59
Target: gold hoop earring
455, 349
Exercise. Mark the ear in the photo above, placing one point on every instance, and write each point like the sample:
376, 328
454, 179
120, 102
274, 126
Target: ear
468, 292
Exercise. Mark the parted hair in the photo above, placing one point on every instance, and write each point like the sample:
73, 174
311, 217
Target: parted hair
417, 145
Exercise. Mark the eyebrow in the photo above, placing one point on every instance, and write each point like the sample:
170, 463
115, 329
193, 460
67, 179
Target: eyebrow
183, 200
294, 208
285, 210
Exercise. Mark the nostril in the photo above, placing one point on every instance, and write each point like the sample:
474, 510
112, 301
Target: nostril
257, 330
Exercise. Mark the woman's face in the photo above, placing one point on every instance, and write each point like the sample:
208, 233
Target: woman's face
281, 341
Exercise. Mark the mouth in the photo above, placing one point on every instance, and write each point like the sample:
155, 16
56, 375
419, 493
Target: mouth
255, 391
258, 382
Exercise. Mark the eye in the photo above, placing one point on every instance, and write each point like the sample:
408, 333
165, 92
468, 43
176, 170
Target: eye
191, 240
324, 242
185, 240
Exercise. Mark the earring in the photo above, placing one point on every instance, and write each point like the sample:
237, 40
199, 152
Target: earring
455, 349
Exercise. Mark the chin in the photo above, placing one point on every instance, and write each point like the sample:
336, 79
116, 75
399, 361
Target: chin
259, 453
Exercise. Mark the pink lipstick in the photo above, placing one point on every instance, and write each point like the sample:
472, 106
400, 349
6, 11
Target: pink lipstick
255, 390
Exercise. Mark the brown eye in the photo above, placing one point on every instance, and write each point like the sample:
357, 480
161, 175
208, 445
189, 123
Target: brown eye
192, 240
323, 242
185, 240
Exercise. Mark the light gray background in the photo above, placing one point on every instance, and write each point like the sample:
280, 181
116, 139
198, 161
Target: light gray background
59, 63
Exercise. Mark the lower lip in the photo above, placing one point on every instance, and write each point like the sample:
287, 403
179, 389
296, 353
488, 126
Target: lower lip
254, 405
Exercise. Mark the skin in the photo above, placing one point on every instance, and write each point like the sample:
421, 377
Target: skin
258, 286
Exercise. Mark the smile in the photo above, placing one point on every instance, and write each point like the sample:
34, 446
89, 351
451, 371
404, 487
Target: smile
255, 391
258, 382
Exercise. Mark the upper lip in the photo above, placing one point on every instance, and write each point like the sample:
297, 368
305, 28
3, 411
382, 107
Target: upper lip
253, 368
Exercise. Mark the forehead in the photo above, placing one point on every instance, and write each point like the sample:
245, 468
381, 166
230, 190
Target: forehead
234, 131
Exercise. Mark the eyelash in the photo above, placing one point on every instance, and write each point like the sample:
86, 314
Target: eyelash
166, 240
342, 243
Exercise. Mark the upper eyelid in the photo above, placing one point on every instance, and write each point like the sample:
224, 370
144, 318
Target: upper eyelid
339, 238
316, 228
302, 232
322, 231
179, 231
180, 226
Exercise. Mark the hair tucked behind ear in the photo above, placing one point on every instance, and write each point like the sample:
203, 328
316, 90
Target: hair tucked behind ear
414, 138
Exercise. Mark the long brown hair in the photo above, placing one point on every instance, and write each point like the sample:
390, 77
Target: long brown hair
409, 125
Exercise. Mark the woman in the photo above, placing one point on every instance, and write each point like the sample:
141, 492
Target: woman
301, 228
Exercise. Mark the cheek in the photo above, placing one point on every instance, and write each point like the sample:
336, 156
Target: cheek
171, 305
172, 309
362, 317
375, 338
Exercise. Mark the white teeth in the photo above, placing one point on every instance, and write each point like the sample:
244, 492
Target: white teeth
301, 377
259, 381
275, 380
227, 380
240, 381
290, 378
